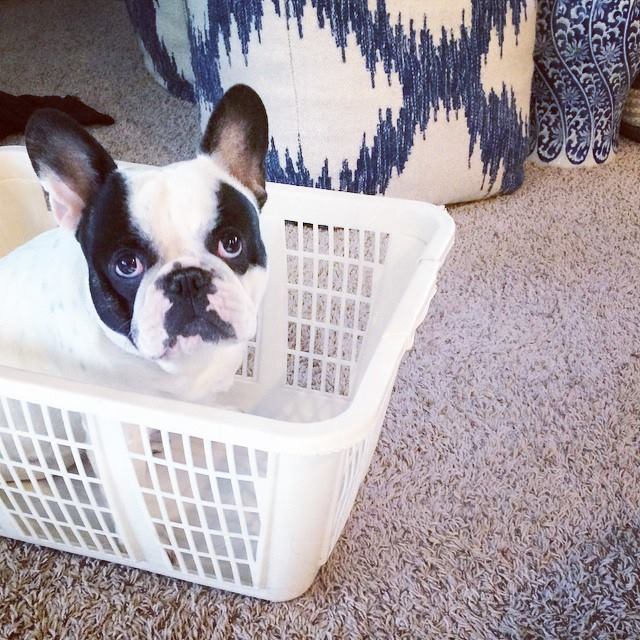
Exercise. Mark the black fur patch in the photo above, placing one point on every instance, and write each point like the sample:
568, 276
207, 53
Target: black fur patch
235, 211
188, 290
105, 229
58, 145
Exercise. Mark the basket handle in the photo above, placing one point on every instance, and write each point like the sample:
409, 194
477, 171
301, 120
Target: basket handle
414, 304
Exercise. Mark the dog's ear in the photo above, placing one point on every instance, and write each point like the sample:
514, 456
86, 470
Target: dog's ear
69, 162
237, 136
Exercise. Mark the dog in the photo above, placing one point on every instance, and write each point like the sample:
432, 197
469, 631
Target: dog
153, 278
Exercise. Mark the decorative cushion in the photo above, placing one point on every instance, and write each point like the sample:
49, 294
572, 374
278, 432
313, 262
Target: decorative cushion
406, 98
163, 34
587, 55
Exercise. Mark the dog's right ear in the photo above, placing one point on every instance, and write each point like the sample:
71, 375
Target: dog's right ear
69, 162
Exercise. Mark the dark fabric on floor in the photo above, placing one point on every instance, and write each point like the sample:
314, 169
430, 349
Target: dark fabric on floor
15, 111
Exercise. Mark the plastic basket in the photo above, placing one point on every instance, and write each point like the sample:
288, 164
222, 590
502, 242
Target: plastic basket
251, 501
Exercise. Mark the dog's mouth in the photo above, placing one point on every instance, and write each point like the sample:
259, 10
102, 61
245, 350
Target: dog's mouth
208, 328
179, 346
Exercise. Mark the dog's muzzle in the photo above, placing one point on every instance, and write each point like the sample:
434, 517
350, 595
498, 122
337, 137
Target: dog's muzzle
190, 314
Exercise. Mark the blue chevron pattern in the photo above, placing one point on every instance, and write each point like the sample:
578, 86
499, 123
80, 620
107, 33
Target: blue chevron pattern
437, 72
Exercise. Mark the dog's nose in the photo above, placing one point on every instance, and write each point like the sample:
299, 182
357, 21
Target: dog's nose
187, 282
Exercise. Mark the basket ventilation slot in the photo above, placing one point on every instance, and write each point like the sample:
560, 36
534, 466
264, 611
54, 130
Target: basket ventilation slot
247, 369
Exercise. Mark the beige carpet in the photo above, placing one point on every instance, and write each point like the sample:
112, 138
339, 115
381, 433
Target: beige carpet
504, 496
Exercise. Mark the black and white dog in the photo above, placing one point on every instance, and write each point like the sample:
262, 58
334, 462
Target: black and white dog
154, 276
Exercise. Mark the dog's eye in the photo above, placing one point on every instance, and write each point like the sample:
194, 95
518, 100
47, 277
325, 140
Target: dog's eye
128, 265
230, 244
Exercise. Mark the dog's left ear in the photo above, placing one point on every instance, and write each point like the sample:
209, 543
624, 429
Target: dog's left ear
237, 135
69, 162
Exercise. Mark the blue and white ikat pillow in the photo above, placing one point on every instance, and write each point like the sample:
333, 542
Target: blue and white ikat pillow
414, 99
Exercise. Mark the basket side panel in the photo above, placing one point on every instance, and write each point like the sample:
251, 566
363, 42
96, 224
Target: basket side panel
208, 501
50, 485
331, 274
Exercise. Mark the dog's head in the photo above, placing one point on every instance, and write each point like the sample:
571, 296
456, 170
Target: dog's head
175, 257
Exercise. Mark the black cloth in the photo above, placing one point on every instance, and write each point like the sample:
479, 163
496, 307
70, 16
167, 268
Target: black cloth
16, 110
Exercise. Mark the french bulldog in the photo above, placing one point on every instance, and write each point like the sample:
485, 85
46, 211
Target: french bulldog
153, 278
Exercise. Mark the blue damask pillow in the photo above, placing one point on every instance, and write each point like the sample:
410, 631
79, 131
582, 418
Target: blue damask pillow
400, 97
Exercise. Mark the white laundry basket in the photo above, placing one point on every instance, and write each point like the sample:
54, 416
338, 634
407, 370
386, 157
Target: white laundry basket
251, 501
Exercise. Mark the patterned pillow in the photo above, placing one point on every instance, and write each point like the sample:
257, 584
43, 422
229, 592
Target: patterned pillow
424, 100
